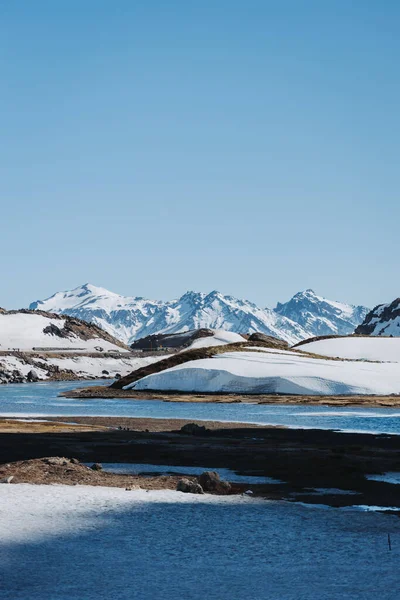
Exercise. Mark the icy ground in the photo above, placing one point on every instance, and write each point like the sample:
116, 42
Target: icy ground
62, 543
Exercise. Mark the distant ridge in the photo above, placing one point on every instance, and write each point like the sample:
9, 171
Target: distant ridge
131, 318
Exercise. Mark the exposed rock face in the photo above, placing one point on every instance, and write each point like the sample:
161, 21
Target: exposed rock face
210, 481
176, 340
54, 330
189, 487
384, 320
267, 339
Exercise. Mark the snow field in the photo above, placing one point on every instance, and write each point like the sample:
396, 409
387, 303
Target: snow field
368, 348
276, 373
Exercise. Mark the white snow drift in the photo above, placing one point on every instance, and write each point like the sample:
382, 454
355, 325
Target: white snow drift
271, 372
367, 348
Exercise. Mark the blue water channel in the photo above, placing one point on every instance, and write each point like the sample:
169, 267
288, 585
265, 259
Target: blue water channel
42, 399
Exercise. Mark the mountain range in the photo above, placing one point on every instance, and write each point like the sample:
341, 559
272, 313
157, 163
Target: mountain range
383, 320
130, 318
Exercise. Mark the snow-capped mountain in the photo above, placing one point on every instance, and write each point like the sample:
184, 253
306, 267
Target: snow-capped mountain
319, 316
132, 318
384, 319
129, 318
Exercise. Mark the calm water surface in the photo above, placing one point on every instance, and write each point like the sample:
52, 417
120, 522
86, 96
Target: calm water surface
42, 399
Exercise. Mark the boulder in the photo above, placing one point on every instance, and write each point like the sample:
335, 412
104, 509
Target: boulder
97, 467
193, 429
189, 487
210, 481
267, 339
32, 376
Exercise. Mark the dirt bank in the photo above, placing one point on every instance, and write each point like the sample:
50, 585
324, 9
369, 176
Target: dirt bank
107, 392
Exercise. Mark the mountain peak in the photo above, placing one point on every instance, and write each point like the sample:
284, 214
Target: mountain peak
130, 318
320, 316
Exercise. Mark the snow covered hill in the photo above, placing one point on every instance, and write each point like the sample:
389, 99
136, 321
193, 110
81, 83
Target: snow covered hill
384, 319
131, 318
275, 372
40, 346
362, 348
26, 331
319, 316
134, 318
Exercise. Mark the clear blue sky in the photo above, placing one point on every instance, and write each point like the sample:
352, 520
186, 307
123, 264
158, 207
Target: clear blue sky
154, 147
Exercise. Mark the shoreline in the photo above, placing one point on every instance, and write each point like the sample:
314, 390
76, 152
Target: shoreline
113, 393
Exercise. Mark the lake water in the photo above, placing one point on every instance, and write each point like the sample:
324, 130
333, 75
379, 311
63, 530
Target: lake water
42, 399
67, 542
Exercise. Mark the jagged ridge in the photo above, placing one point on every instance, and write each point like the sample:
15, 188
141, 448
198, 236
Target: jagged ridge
131, 318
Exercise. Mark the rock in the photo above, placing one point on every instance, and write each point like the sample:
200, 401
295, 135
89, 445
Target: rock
54, 330
210, 481
75, 461
193, 429
248, 493
97, 467
117, 375
7, 479
189, 487
267, 339
32, 376
17, 377
104, 372
58, 461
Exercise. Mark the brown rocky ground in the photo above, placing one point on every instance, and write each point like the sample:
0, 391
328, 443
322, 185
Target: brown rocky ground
302, 460
60, 470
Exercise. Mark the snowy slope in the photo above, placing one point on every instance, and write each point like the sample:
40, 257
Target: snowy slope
382, 320
25, 331
380, 349
132, 318
219, 338
319, 316
271, 372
